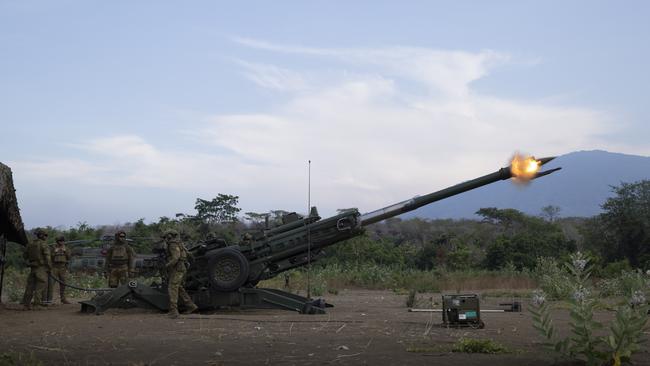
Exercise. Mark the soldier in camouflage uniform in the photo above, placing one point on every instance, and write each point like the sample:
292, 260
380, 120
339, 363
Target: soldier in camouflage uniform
37, 255
119, 261
176, 265
60, 259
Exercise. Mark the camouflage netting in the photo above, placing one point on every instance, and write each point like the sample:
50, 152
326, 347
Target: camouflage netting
11, 225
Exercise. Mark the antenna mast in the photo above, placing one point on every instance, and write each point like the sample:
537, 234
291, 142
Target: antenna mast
308, 231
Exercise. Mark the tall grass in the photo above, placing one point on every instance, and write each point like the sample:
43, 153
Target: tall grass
371, 276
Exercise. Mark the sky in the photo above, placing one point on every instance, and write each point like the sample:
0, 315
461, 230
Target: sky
112, 111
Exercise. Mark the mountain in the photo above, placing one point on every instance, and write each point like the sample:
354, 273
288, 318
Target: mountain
579, 189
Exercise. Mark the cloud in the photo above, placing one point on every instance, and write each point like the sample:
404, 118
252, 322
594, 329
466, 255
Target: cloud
379, 125
273, 77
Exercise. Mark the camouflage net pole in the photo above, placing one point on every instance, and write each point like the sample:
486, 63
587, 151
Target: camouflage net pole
3, 254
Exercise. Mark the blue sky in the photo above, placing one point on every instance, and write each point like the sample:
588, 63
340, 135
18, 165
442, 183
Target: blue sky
113, 111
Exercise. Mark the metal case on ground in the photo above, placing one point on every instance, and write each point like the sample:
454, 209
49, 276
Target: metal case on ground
461, 310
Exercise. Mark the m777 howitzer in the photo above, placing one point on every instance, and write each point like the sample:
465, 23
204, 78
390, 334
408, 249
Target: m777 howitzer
226, 275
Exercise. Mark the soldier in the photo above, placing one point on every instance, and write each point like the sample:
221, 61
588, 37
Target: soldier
177, 262
60, 259
119, 261
37, 255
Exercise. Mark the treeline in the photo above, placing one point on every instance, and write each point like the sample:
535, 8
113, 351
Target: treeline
619, 238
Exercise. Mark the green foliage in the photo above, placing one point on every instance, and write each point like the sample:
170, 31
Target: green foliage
14, 285
19, 359
522, 239
552, 278
614, 348
221, 209
626, 333
364, 250
411, 299
625, 284
551, 212
614, 269
622, 231
471, 345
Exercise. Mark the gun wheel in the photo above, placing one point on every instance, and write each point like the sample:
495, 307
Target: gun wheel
228, 270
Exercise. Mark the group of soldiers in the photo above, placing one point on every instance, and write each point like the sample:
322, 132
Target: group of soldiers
52, 262
44, 261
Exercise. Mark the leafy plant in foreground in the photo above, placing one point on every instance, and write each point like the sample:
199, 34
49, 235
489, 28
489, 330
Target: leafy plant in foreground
615, 348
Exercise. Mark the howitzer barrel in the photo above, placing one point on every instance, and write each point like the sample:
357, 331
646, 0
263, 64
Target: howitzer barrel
419, 201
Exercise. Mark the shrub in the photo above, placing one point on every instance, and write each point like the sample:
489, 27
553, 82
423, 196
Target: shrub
553, 279
470, 345
626, 331
625, 284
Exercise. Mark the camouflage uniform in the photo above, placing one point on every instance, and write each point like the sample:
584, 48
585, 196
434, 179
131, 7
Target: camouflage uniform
37, 255
177, 258
60, 259
119, 261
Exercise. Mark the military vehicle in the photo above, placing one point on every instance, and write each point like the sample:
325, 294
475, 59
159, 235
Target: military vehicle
226, 275
11, 224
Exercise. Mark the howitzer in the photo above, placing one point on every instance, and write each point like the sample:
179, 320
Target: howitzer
226, 275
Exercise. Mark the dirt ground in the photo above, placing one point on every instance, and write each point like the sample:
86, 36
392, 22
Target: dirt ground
364, 327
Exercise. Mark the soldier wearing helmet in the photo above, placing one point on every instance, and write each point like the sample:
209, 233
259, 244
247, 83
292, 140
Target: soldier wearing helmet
37, 255
176, 265
60, 258
119, 261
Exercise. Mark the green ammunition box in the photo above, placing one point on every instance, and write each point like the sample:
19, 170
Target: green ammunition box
461, 311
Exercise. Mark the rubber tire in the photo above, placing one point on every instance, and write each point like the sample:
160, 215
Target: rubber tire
231, 285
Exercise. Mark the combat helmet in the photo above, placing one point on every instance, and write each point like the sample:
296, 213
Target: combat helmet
170, 233
40, 232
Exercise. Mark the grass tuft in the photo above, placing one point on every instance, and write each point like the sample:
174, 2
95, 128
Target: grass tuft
472, 345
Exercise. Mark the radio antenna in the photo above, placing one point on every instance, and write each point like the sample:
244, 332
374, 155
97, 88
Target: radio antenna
308, 230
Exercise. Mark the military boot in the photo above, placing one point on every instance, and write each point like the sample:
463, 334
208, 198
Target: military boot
190, 309
173, 314
63, 298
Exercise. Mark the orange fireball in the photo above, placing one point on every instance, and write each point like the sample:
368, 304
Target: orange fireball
524, 167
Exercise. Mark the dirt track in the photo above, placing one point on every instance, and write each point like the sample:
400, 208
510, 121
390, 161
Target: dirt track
365, 327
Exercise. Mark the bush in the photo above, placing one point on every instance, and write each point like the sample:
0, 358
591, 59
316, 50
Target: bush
614, 269
470, 345
625, 284
626, 331
553, 279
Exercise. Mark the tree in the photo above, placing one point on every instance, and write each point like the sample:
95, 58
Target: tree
523, 238
626, 222
256, 219
551, 212
219, 210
